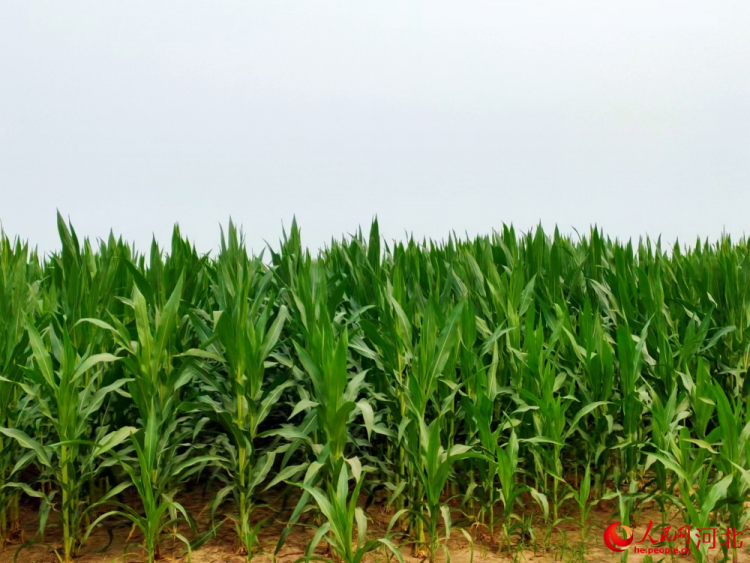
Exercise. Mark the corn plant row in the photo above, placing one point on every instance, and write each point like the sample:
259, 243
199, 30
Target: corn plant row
500, 385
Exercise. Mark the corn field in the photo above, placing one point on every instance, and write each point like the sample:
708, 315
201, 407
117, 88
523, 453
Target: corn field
489, 389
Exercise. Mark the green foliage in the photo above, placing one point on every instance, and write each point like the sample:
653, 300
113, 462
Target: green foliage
343, 516
516, 378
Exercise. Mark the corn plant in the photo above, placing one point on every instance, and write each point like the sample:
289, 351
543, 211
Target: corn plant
63, 388
666, 418
499, 465
734, 458
511, 488
581, 497
342, 517
153, 473
241, 399
434, 465
324, 356
435, 346
698, 505
166, 447
16, 296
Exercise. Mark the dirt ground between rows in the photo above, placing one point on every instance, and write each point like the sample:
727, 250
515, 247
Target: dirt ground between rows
564, 544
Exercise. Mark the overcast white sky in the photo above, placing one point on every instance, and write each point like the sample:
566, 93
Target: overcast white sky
436, 116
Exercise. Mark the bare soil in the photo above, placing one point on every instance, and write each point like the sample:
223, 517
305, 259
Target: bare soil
564, 543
